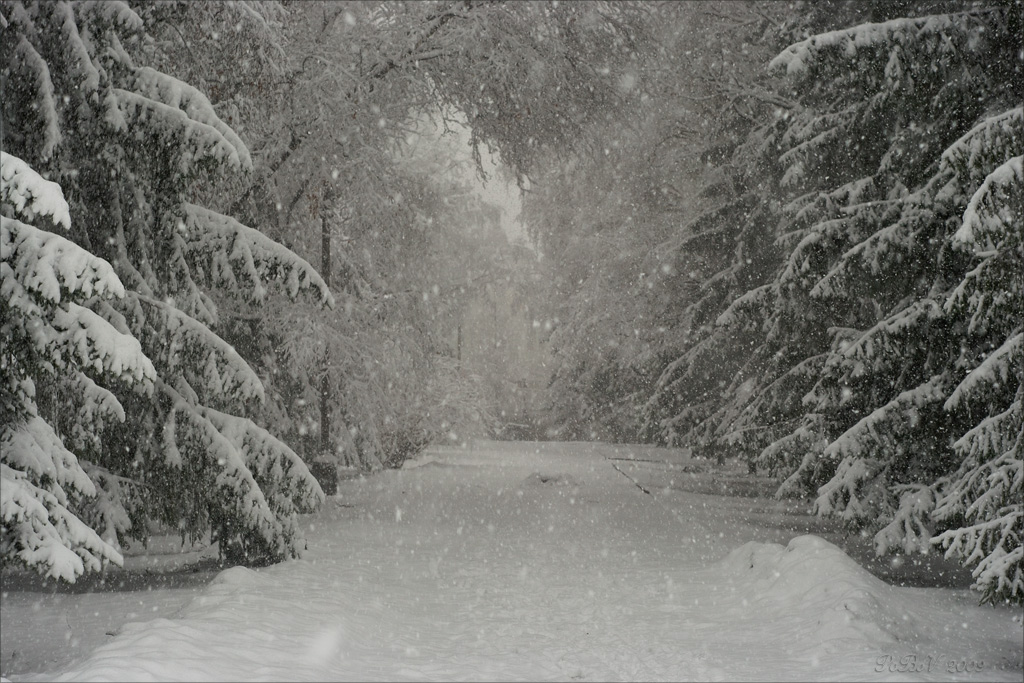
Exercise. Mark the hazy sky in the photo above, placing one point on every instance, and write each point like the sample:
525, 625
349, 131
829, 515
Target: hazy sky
497, 190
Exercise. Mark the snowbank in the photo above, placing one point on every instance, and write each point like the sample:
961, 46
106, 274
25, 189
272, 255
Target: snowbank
816, 581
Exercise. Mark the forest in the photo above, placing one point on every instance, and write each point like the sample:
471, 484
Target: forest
237, 254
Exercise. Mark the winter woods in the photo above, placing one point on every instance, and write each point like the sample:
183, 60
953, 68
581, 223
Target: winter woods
787, 234
836, 295
180, 147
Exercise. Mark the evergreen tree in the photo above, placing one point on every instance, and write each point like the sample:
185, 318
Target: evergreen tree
900, 161
914, 312
52, 336
131, 146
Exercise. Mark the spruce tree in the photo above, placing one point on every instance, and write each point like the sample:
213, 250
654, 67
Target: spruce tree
53, 337
132, 148
899, 186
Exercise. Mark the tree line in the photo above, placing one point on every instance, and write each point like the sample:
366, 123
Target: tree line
223, 263
806, 251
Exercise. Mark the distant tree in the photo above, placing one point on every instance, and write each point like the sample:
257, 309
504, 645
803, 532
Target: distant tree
639, 228
356, 81
131, 146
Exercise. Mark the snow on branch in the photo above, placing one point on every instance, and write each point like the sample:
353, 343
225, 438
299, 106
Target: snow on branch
799, 58
803, 132
864, 450
34, 448
848, 198
909, 527
751, 306
96, 405
869, 346
988, 495
282, 474
217, 365
173, 109
35, 474
782, 389
989, 140
809, 256
39, 274
197, 140
46, 534
994, 437
80, 61
243, 503
106, 511
98, 345
796, 159
52, 267
804, 442
110, 12
876, 254
228, 249
1000, 367
869, 432
995, 208
846, 494
45, 101
166, 90
30, 194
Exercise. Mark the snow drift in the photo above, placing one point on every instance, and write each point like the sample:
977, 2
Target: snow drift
814, 580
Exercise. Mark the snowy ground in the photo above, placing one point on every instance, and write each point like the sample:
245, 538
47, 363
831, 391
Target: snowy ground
527, 561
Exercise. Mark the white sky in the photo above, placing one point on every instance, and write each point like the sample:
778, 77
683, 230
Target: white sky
496, 190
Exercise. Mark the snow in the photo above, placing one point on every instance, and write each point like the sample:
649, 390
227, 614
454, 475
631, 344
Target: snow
980, 222
797, 57
990, 136
46, 264
171, 104
33, 61
34, 446
113, 11
51, 536
233, 375
996, 368
256, 257
30, 194
81, 63
538, 562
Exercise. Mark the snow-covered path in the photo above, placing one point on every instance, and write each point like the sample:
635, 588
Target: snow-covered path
545, 562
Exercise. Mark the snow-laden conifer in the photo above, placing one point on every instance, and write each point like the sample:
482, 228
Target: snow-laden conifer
903, 273
49, 339
132, 146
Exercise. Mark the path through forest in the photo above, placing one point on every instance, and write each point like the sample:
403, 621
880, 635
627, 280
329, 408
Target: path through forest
555, 561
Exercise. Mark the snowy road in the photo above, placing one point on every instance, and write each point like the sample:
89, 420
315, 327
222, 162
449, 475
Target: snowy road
544, 562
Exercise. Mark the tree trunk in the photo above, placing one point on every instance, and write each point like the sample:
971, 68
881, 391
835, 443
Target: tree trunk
325, 385
325, 468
